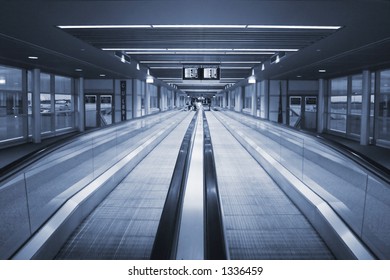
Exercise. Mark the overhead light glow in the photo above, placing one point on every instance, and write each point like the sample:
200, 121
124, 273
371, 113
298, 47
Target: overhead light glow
33, 57
102, 75
235, 67
252, 78
3, 81
198, 26
242, 52
199, 50
322, 71
152, 52
294, 27
267, 50
103, 26
166, 67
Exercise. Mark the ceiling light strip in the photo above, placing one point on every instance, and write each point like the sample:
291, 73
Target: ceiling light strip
103, 26
199, 26
319, 27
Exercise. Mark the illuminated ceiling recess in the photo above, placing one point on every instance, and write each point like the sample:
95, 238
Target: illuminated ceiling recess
236, 49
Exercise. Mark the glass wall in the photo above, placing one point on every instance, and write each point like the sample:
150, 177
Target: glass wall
338, 105
12, 119
46, 105
64, 103
354, 118
383, 117
248, 97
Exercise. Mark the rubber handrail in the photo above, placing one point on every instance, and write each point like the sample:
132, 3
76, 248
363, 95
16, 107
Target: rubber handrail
165, 243
17, 165
215, 245
362, 160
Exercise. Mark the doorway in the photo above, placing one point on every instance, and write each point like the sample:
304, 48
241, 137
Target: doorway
303, 112
98, 110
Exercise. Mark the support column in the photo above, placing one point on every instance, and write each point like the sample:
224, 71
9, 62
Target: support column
239, 100
266, 99
254, 99
321, 113
137, 95
147, 99
79, 106
36, 106
365, 117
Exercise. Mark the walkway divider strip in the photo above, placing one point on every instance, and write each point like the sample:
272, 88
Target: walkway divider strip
215, 242
166, 240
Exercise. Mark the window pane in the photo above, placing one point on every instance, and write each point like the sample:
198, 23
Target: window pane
338, 104
46, 110
383, 122
45, 83
64, 111
338, 122
385, 82
10, 79
339, 86
11, 119
63, 85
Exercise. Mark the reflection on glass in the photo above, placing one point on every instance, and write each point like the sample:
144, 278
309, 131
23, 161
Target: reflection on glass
11, 115
46, 110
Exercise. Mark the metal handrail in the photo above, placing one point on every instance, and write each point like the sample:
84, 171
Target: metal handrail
365, 162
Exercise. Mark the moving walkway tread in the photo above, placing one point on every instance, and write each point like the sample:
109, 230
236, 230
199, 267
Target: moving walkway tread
124, 225
260, 220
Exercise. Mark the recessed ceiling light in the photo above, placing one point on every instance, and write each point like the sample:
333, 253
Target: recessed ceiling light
102, 75
322, 71
2, 81
33, 57
78, 70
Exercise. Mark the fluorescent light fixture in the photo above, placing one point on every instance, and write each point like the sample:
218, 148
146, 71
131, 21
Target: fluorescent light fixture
78, 70
235, 67
149, 78
158, 61
145, 52
199, 90
164, 78
200, 50
322, 71
102, 75
295, 27
252, 78
269, 53
232, 78
266, 50
103, 26
33, 57
133, 49
152, 52
3, 81
240, 62
198, 26
166, 67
